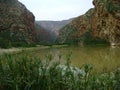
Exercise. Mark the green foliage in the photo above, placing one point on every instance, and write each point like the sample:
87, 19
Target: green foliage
66, 35
112, 7
88, 39
10, 39
22, 72
4, 43
69, 35
22, 44
102, 1
8, 1
7, 40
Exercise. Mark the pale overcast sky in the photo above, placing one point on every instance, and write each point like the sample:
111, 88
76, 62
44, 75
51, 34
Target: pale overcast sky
57, 9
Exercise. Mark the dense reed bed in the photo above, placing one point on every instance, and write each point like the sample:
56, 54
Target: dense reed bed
22, 72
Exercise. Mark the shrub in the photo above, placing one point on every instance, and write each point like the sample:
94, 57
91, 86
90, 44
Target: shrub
22, 44
89, 39
4, 43
112, 7
21, 72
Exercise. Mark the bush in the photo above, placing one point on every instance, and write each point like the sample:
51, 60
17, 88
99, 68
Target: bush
112, 7
22, 44
4, 43
89, 39
21, 72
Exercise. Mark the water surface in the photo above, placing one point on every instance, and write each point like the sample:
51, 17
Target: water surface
103, 58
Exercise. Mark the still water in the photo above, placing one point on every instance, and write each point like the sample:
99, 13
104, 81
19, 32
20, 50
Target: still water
103, 58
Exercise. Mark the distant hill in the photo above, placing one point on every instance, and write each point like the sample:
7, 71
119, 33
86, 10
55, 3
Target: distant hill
43, 36
48, 30
54, 26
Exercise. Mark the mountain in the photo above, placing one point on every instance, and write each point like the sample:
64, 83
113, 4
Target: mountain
18, 26
99, 25
42, 36
51, 28
53, 25
16, 23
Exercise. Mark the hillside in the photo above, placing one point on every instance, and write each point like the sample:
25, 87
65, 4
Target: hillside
53, 25
16, 23
51, 30
18, 26
43, 36
99, 25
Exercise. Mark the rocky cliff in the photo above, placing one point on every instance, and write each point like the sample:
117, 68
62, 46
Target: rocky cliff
106, 20
101, 24
16, 22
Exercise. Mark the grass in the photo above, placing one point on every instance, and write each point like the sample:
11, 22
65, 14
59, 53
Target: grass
23, 72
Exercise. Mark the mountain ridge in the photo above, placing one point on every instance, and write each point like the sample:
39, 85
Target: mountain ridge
53, 25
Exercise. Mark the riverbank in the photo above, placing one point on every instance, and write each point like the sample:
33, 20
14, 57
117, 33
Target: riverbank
23, 72
104, 58
11, 50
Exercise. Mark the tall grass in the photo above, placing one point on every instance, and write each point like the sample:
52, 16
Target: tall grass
22, 72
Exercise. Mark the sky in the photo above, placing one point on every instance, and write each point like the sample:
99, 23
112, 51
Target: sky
57, 9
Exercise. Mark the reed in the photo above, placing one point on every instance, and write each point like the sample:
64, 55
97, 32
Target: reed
22, 72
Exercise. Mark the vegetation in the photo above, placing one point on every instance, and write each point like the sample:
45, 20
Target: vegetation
88, 39
5, 43
23, 72
73, 37
65, 35
111, 7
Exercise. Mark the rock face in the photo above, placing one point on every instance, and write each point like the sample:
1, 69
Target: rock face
16, 22
106, 20
100, 24
73, 32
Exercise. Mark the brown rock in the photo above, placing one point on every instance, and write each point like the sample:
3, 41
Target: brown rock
103, 21
106, 20
17, 21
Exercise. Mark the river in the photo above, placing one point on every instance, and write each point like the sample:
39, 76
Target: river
104, 58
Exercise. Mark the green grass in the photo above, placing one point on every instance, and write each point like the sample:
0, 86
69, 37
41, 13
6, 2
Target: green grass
20, 71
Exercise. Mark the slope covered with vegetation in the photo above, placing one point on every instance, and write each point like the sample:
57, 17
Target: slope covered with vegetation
16, 24
99, 25
43, 36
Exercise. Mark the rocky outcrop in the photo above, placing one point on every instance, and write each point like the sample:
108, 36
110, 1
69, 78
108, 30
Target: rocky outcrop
100, 23
106, 20
16, 22
75, 32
